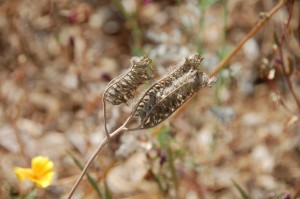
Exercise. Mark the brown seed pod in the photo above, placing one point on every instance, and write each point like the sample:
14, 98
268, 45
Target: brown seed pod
122, 88
168, 94
149, 98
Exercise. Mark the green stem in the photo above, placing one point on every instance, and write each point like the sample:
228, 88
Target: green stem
172, 167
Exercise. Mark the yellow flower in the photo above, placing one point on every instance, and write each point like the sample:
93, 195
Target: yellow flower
41, 171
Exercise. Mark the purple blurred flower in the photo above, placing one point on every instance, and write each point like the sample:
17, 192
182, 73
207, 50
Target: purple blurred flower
163, 157
106, 77
287, 196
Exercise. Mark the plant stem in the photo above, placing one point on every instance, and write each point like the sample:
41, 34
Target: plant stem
275, 90
220, 66
103, 143
104, 116
254, 30
286, 78
172, 167
91, 180
225, 61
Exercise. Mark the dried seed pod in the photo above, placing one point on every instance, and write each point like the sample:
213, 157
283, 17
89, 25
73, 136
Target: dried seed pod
122, 88
150, 98
168, 94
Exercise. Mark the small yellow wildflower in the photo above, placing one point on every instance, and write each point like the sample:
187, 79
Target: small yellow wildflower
41, 171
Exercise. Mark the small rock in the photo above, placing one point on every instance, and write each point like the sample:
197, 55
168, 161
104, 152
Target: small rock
30, 127
45, 101
251, 50
99, 17
50, 141
70, 81
129, 6
262, 159
8, 139
205, 139
111, 27
252, 119
267, 182
224, 114
130, 176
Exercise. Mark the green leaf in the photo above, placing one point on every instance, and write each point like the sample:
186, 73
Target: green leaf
171, 164
158, 182
107, 191
240, 190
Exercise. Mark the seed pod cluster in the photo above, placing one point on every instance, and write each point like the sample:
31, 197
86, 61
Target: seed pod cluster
122, 88
172, 91
150, 97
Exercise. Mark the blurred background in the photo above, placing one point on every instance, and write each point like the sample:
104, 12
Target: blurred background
239, 139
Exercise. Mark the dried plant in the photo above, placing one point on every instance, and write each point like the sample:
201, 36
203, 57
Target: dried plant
162, 99
168, 94
122, 88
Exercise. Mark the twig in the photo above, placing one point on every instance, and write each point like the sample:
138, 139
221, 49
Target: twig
104, 115
280, 100
104, 142
225, 61
254, 30
282, 64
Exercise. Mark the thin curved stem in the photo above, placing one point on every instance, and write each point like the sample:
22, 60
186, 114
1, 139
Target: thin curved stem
104, 102
103, 143
104, 115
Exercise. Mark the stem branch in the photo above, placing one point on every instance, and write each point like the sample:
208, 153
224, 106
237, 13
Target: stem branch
254, 30
103, 143
225, 61
286, 78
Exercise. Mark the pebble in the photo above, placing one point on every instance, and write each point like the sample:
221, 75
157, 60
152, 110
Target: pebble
262, 159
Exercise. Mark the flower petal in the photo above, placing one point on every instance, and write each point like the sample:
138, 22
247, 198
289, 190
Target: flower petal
41, 172
23, 173
41, 166
45, 181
